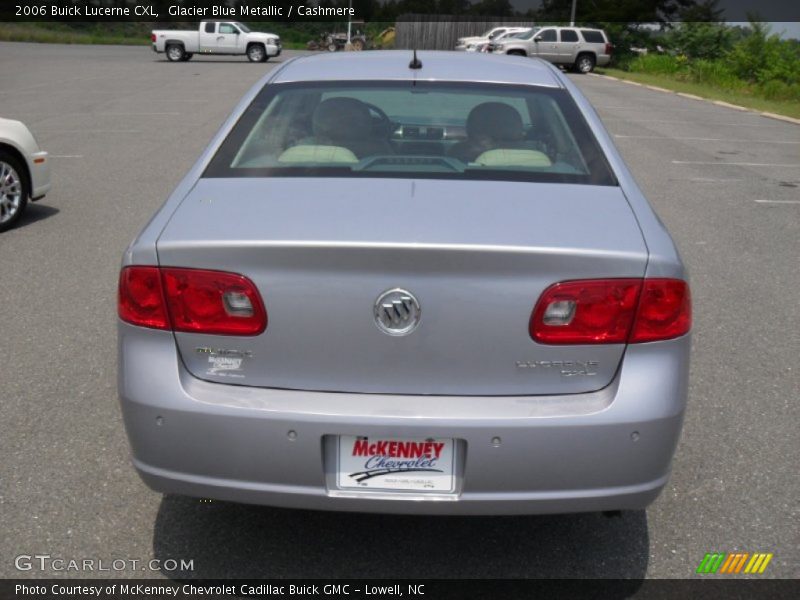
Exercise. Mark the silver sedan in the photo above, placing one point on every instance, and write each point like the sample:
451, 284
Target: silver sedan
407, 284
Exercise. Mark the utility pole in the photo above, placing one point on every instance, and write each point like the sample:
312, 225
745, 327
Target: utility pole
572, 15
350, 12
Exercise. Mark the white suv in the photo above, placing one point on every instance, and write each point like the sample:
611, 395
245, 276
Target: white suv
574, 47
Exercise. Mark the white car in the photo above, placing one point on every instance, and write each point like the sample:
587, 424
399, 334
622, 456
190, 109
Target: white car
24, 171
470, 44
216, 37
484, 45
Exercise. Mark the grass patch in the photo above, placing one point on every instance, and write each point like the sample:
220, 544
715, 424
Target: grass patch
29, 32
743, 96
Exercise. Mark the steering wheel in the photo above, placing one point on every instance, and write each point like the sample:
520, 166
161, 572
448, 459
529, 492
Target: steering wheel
384, 124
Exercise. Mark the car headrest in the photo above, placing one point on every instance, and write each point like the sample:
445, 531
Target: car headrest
342, 119
513, 157
307, 153
495, 120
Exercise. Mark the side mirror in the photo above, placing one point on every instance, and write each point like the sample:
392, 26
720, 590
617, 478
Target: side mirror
538, 38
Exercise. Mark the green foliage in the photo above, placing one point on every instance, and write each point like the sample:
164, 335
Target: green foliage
700, 40
658, 64
778, 90
761, 58
717, 73
756, 64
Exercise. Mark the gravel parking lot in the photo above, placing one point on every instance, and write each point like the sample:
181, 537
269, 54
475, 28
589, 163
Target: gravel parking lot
123, 126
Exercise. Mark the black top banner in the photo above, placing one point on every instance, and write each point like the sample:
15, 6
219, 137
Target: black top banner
549, 11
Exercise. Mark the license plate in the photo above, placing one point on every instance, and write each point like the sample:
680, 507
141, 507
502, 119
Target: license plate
396, 464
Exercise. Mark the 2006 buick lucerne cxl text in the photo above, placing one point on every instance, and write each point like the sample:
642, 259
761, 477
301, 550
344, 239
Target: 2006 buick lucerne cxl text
410, 285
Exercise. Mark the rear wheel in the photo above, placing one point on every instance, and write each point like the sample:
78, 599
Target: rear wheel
332, 47
256, 53
585, 63
358, 45
13, 190
175, 53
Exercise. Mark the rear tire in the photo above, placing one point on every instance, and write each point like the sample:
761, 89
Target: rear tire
585, 63
332, 47
175, 53
358, 45
256, 53
13, 190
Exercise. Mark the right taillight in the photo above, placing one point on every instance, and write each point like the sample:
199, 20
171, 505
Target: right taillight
191, 300
665, 311
611, 311
153, 37
609, 48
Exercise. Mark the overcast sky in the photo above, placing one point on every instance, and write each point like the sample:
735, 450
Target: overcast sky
787, 30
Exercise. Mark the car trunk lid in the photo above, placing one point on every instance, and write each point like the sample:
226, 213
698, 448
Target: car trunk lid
475, 254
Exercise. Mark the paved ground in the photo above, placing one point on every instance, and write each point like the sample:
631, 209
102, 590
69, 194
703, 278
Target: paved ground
123, 127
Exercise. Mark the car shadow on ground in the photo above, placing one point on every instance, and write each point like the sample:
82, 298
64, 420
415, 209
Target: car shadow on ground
227, 540
211, 60
35, 213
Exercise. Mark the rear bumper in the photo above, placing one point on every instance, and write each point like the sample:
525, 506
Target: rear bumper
603, 59
604, 450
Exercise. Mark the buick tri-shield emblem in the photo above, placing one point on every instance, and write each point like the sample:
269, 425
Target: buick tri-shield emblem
397, 312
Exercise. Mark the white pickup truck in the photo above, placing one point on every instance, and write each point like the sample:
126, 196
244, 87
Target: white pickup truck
216, 37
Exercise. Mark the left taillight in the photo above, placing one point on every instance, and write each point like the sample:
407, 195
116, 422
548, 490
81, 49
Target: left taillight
191, 300
140, 298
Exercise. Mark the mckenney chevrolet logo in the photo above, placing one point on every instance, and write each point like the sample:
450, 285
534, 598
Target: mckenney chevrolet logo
734, 563
384, 457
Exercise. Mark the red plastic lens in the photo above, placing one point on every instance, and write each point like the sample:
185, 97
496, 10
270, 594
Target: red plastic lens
190, 300
665, 311
612, 311
603, 314
200, 302
140, 298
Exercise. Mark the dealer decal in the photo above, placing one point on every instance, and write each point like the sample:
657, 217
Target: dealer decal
384, 457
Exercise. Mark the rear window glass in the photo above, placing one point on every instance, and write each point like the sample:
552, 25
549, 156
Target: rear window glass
427, 130
568, 35
593, 37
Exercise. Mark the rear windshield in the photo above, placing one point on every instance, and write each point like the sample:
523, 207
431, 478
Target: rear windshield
422, 130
